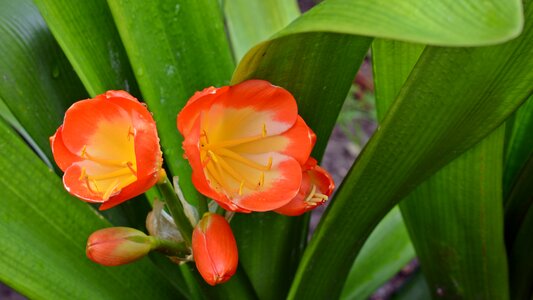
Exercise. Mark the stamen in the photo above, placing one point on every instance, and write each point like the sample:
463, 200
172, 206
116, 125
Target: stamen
131, 133
240, 188
244, 160
204, 134
262, 179
309, 197
110, 190
215, 172
83, 174
235, 142
105, 162
111, 175
264, 133
314, 198
225, 166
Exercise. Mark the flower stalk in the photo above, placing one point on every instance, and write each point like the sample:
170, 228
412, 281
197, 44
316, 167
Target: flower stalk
175, 208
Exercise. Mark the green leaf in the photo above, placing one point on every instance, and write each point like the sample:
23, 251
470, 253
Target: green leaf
44, 231
440, 113
434, 22
455, 217
9, 118
87, 35
414, 289
266, 242
447, 214
520, 262
519, 143
252, 21
34, 73
518, 175
519, 201
386, 251
174, 52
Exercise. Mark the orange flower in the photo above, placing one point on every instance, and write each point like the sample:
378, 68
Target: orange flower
214, 249
246, 144
116, 246
317, 185
108, 148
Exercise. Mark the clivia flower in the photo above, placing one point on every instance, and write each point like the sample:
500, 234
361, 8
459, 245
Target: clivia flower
108, 148
246, 144
317, 185
116, 246
214, 249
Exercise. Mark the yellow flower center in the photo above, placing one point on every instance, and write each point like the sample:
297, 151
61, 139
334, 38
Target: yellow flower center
110, 163
230, 169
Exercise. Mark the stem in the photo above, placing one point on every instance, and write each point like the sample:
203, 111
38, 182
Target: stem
176, 209
172, 248
202, 206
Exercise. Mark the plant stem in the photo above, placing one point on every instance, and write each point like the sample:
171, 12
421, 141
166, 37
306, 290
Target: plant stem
172, 248
176, 209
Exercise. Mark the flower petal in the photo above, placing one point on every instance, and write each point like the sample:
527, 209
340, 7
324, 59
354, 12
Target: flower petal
62, 155
252, 108
281, 184
297, 142
84, 118
198, 103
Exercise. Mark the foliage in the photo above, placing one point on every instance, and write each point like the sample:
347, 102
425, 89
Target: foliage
452, 147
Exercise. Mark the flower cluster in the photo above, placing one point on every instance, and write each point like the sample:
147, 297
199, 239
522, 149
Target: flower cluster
249, 151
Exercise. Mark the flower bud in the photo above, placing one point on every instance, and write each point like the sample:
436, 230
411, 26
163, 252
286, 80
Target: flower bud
118, 245
214, 249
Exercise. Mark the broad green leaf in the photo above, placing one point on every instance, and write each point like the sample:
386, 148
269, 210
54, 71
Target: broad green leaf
440, 112
434, 22
266, 242
44, 231
86, 33
386, 251
10, 119
252, 21
520, 262
414, 289
36, 80
455, 217
518, 173
519, 200
519, 143
438, 209
176, 47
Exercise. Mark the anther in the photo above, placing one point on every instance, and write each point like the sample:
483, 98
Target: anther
241, 187
131, 133
264, 133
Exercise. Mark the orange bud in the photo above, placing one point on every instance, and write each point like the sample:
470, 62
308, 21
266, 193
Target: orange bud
118, 245
214, 249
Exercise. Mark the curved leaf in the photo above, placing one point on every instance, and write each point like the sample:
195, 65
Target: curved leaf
34, 73
386, 251
174, 53
252, 21
439, 113
44, 231
433, 22
451, 253
455, 217
87, 35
